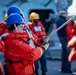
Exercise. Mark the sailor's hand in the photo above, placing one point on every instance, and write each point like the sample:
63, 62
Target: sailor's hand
45, 38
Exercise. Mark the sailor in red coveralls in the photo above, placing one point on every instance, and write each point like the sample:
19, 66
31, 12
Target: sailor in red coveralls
38, 29
19, 55
3, 29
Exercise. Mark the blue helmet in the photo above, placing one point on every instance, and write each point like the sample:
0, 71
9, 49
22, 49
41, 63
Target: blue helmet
14, 9
14, 19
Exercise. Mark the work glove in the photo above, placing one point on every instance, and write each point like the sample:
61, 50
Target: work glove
45, 46
45, 38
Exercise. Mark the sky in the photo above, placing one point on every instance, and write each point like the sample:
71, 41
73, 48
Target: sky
72, 8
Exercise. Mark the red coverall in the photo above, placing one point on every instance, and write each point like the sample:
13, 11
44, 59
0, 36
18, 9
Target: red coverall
19, 56
38, 30
72, 44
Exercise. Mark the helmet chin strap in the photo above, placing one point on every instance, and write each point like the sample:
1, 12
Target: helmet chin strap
15, 27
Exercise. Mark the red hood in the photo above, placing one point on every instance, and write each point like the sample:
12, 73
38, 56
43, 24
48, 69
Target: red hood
12, 35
